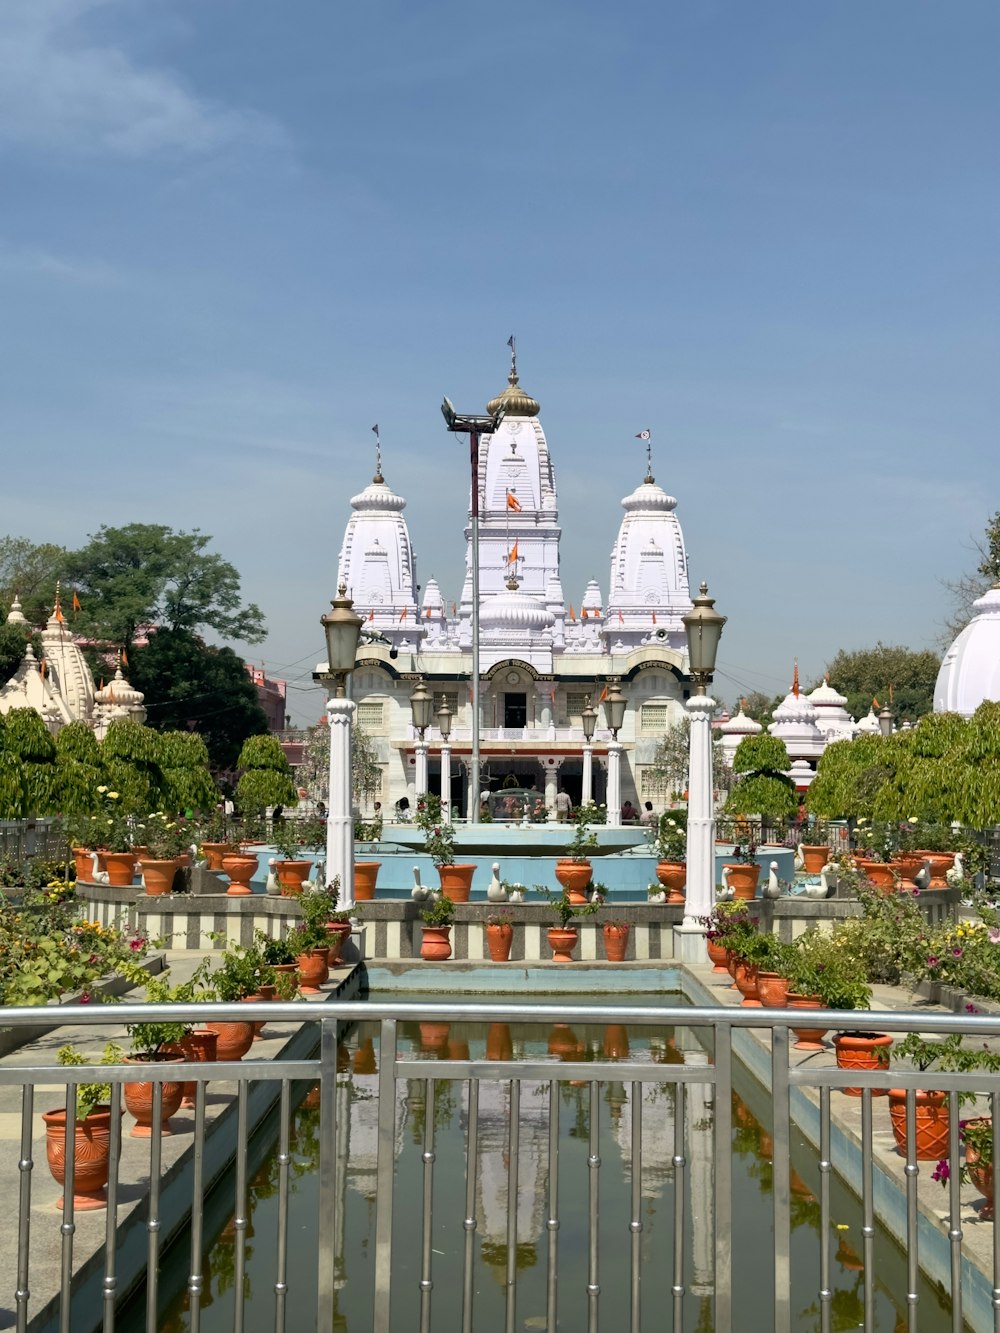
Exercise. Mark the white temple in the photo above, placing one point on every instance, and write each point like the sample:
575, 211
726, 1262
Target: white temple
543, 656
60, 686
970, 672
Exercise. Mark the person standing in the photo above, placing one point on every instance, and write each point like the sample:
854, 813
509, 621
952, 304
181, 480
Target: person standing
564, 806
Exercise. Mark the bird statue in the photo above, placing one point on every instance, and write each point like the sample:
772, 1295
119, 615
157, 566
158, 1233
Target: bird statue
826, 885
516, 894
495, 891
273, 886
725, 892
420, 892
800, 861
955, 874
98, 876
318, 877
772, 888
922, 878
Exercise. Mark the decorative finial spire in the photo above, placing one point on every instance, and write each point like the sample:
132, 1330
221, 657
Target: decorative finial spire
647, 438
795, 679
57, 609
512, 344
378, 478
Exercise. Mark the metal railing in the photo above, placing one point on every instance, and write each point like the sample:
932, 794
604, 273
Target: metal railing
702, 1161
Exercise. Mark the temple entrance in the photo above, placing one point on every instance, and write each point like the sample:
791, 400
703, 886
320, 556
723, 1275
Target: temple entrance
515, 710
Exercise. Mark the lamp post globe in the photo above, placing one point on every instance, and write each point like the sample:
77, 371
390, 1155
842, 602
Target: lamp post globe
421, 707
589, 721
589, 724
885, 721
703, 627
614, 709
342, 629
444, 721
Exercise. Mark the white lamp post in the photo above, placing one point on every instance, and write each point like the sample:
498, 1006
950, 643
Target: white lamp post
343, 630
444, 727
421, 706
614, 711
703, 625
589, 723
886, 721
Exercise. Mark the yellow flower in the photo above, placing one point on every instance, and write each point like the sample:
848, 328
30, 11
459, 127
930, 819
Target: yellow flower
112, 796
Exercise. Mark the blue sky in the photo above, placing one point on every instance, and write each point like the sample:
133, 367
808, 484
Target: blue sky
235, 233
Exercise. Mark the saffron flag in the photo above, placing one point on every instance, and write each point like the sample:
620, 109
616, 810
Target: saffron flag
572, 613
42, 666
654, 617
583, 613
124, 658
513, 502
875, 704
371, 614
403, 614
76, 602
603, 695
57, 612
512, 554
621, 618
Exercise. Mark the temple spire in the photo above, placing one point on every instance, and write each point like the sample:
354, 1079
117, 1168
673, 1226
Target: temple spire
378, 479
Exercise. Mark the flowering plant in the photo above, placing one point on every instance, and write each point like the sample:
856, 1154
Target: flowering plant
438, 912
669, 836
584, 842
565, 910
499, 917
165, 837
818, 966
744, 853
725, 919
439, 835
113, 829
976, 1137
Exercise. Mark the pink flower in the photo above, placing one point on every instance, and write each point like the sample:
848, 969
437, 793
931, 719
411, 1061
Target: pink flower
941, 1172
993, 935
85, 997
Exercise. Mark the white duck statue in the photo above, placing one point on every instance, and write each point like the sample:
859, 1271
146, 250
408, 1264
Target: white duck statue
955, 874
98, 876
495, 891
826, 885
725, 892
420, 893
772, 886
273, 885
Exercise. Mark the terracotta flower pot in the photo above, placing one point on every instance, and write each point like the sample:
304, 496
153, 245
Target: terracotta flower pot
981, 1173
746, 984
314, 970
158, 874
435, 945
932, 1123
883, 874
809, 1038
198, 1047
234, 1039
139, 1098
499, 939
615, 940
121, 869
456, 881
215, 851
673, 876
940, 863
499, 1043
743, 879
716, 955
337, 935
291, 876
616, 1044
772, 988
288, 969
574, 876
241, 870
434, 1036
910, 864
562, 940
84, 859
814, 857
863, 1050
92, 1155
365, 877
364, 1057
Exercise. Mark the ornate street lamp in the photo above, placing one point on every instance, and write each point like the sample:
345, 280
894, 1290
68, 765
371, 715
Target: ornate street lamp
444, 727
703, 625
589, 723
421, 708
614, 709
614, 712
342, 629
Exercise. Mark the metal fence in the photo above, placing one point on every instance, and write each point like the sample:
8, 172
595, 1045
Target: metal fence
24, 838
702, 1157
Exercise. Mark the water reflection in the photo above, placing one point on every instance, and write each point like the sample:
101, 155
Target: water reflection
523, 1185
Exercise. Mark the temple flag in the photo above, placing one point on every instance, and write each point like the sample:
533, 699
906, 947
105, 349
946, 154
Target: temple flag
583, 613
603, 695
76, 603
403, 614
654, 617
124, 658
371, 614
512, 556
513, 502
621, 618
643, 435
572, 613
42, 666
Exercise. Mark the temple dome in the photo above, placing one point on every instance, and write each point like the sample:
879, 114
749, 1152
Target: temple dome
513, 402
119, 693
795, 722
514, 610
67, 666
378, 565
648, 593
970, 672
16, 616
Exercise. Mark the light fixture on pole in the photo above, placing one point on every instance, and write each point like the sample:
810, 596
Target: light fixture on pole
589, 723
342, 629
421, 707
703, 626
474, 427
444, 727
614, 712
886, 720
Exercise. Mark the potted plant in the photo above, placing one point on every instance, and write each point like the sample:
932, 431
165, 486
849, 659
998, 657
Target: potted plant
216, 841
156, 1043
726, 917
823, 976
950, 1055
876, 848
292, 838
278, 953
562, 937
499, 935
573, 871
437, 917
165, 841
439, 844
615, 933
115, 832
669, 839
238, 976
312, 954
92, 1135
814, 846
976, 1138
742, 872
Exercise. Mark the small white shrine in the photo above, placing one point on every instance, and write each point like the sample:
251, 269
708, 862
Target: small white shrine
970, 672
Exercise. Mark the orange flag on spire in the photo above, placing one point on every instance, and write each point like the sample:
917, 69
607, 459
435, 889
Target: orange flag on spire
76, 603
512, 554
876, 704
572, 613
371, 614
124, 658
654, 617
583, 613
795, 679
513, 502
403, 614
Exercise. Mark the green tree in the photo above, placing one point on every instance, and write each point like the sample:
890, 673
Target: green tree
762, 786
78, 771
27, 738
850, 777
266, 778
314, 771
13, 642
187, 782
146, 574
969, 587
132, 760
868, 673
670, 763
29, 572
189, 685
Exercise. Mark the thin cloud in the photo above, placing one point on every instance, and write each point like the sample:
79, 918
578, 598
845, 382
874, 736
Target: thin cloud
63, 89
29, 261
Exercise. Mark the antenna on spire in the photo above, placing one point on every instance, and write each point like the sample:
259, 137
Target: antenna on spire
378, 454
647, 438
512, 344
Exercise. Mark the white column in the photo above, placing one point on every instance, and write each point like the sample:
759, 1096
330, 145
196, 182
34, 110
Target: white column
614, 784
690, 941
587, 789
551, 772
446, 781
420, 774
340, 820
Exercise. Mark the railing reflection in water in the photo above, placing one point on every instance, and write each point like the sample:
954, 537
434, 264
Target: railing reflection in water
595, 1177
